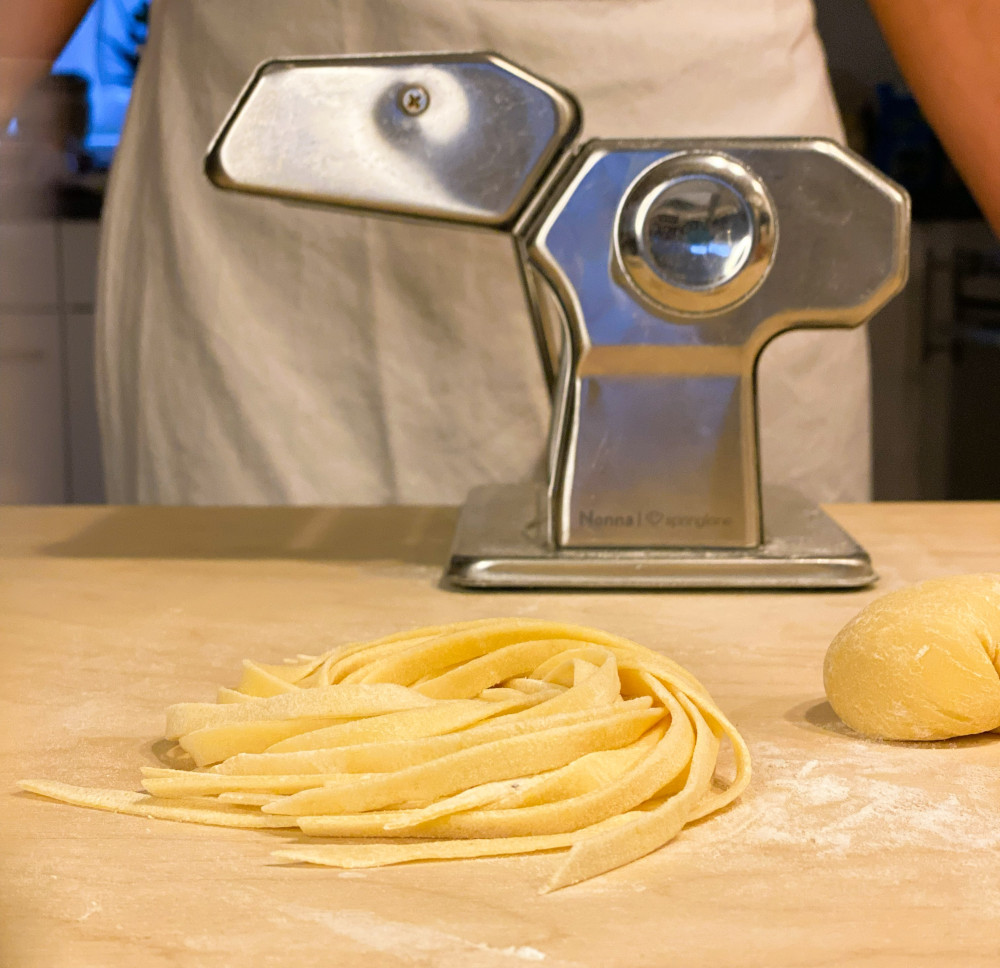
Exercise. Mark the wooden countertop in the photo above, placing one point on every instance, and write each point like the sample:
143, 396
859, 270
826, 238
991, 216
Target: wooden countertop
842, 852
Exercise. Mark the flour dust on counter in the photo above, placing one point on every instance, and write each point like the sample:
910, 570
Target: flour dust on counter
483, 738
849, 803
380, 934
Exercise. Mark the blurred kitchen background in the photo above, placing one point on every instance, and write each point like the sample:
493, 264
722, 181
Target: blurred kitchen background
53, 169
935, 349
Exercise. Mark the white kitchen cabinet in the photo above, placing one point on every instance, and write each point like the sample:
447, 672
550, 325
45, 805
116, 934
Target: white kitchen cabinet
29, 270
33, 467
78, 244
86, 478
49, 443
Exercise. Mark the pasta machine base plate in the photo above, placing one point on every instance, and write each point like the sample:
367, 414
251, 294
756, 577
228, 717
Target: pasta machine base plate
499, 543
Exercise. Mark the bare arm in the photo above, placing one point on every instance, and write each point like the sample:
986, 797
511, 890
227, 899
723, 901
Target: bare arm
949, 52
32, 33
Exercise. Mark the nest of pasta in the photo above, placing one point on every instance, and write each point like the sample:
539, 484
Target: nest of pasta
500, 736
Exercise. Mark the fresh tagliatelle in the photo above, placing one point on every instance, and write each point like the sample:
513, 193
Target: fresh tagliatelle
484, 738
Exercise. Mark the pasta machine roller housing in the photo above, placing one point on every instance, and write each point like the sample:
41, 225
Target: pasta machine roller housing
655, 270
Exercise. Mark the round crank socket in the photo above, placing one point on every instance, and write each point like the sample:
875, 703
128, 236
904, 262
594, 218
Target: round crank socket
696, 233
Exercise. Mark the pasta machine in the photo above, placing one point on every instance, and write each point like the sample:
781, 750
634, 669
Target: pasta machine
655, 270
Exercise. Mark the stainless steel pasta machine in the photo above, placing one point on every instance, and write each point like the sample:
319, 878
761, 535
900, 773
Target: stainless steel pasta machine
655, 272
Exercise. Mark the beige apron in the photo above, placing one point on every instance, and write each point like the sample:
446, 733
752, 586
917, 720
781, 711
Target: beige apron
253, 350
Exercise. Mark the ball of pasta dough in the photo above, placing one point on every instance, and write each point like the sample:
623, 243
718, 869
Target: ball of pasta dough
921, 663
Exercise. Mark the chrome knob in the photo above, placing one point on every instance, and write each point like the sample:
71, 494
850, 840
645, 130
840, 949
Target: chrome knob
695, 233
